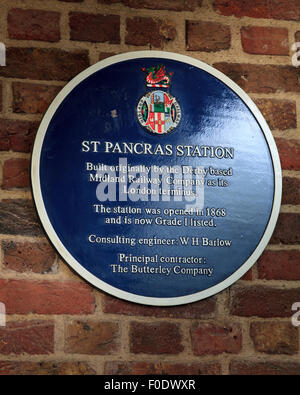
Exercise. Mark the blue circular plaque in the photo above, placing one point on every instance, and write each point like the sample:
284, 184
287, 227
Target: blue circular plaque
156, 178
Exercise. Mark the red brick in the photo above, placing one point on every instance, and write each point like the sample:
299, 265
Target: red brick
207, 36
46, 297
199, 309
277, 9
33, 98
262, 301
285, 9
33, 25
279, 265
30, 337
167, 30
93, 338
44, 63
287, 230
52, 368
104, 55
142, 31
161, 368
171, 5
149, 31
280, 114
274, 337
264, 368
262, 40
36, 257
155, 338
259, 78
212, 339
17, 136
18, 217
95, 27
239, 8
289, 152
290, 190
248, 276
297, 36
16, 173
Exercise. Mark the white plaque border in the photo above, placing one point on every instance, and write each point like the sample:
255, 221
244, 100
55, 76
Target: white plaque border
37, 193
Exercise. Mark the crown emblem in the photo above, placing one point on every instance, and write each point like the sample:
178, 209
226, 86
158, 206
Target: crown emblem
157, 77
158, 111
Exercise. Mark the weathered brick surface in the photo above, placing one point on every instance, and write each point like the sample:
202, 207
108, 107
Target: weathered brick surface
168, 338
194, 310
239, 8
279, 265
260, 78
285, 9
46, 297
149, 31
15, 368
287, 229
274, 337
95, 27
16, 173
171, 5
44, 63
262, 40
262, 301
18, 217
17, 135
94, 338
248, 276
290, 190
289, 151
277, 9
30, 337
104, 55
216, 339
1, 96
279, 114
36, 257
33, 98
33, 25
163, 368
297, 36
207, 36
238, 367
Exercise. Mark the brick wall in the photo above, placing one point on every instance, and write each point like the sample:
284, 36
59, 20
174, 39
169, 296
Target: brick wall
56, 322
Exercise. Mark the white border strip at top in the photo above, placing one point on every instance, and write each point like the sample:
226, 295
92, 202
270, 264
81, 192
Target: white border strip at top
35, 175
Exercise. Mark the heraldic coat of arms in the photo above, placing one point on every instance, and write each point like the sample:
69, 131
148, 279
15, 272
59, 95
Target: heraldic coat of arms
158, 111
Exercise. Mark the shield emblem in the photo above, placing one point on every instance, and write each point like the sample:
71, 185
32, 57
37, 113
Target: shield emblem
158, 112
